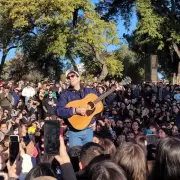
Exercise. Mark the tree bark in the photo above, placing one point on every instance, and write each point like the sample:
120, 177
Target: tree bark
176, 49
104, 71
4, 55
73, 63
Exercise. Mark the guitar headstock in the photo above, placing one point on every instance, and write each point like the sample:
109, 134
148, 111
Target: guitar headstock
126, 81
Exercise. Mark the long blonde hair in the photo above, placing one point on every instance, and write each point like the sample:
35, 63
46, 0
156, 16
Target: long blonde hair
132, 159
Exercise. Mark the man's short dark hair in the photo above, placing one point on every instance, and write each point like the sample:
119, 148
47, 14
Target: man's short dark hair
89, 152
74, 154
2, 122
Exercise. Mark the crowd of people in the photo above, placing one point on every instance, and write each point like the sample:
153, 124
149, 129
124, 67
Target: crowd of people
136, 137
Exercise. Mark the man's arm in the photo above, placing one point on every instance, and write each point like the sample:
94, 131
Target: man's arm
61, 109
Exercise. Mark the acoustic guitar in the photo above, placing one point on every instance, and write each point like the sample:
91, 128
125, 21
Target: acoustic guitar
94, 106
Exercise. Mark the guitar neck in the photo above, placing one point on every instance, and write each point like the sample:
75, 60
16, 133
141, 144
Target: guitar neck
103, 96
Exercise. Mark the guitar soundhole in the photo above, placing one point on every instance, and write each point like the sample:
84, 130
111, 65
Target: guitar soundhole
91, 108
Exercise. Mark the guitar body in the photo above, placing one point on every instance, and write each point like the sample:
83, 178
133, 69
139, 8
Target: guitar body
81, 122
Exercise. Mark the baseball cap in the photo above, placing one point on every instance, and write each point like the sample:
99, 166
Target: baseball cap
72, 71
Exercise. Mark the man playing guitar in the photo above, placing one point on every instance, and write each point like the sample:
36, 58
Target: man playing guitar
75, 92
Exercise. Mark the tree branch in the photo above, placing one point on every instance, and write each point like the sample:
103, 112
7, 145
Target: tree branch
12, 47
33, 33
96, 53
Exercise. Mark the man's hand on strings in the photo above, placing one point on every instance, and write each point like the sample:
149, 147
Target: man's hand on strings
80, 111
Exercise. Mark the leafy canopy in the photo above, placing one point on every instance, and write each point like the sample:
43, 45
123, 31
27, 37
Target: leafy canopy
72, 29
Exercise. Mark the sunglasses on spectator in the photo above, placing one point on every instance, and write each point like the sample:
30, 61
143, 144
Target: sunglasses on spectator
71, 76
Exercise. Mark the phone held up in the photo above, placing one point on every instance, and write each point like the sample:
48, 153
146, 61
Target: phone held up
3, 176
13, 148
51, 137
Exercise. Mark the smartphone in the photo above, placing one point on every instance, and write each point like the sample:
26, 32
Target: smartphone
3, 176
152, 139
51, 137
13, 148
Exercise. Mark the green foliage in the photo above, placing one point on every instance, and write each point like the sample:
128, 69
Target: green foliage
159, 22
150, 23
132, 63
157, 29
115, 67
21, 67
126, 55
65, 29
46, 14
87, 77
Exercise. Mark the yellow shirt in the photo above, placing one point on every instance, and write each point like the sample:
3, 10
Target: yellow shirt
31, 130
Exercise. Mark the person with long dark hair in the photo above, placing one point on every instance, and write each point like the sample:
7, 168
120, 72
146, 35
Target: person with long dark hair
167, 162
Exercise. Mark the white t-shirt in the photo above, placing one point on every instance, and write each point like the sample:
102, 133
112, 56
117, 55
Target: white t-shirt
28, 91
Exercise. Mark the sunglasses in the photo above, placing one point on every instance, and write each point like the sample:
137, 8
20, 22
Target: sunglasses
71, 76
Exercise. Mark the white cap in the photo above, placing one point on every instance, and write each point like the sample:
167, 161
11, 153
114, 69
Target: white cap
72, 71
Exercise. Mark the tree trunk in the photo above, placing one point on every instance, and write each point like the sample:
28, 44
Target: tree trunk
104, 72
68, 55
176, 49
74, 64
4, 54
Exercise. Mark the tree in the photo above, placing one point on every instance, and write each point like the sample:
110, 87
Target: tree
69, 26
160, 21
20, 67
35, 52
113, 66
132, 62
158, 28
9, 37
